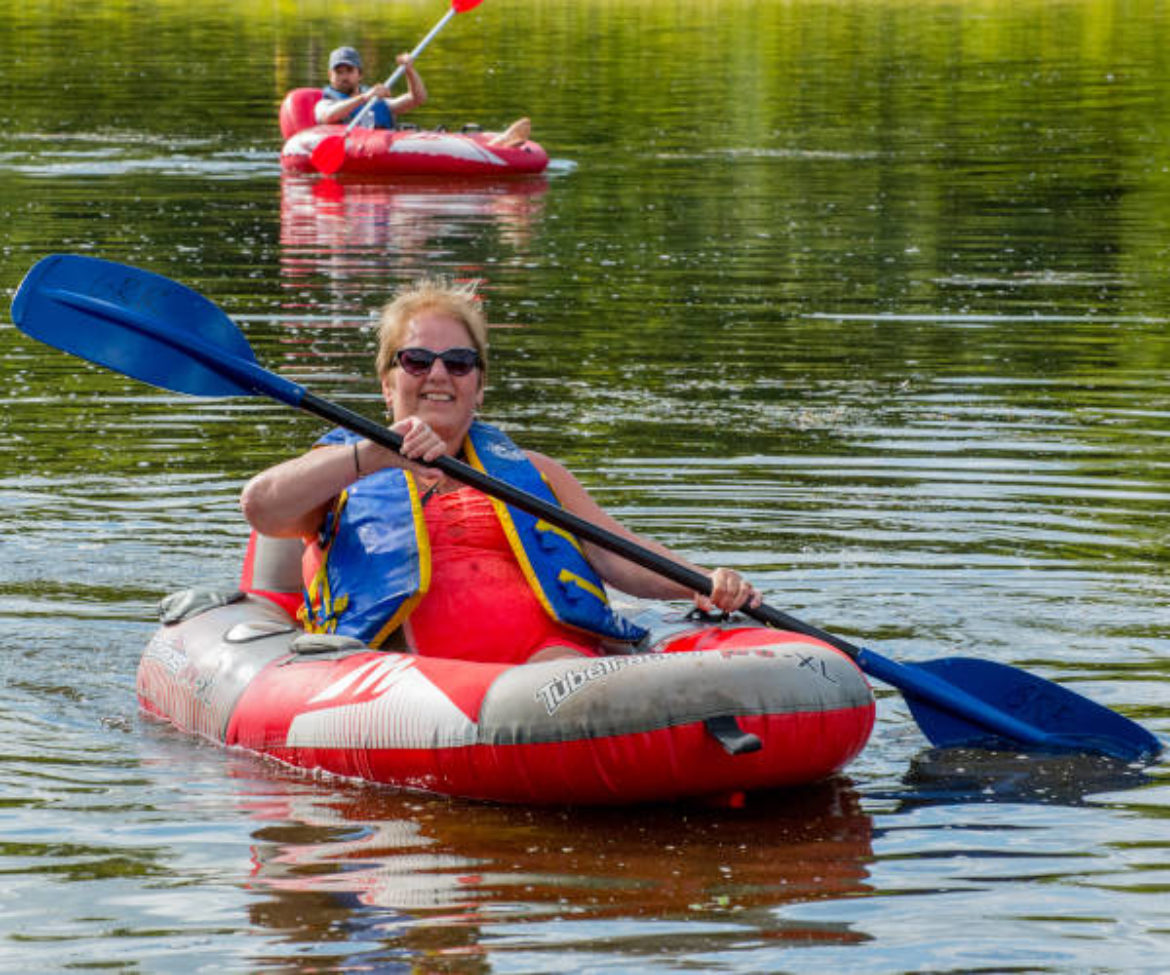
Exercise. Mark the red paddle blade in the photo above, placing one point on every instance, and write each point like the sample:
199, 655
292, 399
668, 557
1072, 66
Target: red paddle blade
329, 154
462, 6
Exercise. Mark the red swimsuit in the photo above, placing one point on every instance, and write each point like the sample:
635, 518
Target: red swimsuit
479, 605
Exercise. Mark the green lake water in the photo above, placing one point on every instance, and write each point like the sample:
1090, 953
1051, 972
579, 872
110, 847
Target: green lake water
867, 300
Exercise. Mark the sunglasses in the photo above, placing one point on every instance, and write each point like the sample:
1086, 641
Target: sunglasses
418, 362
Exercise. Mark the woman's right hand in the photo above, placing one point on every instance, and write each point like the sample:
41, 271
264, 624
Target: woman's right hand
419, 442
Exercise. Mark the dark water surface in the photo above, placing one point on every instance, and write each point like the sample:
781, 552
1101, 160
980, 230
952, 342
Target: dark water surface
867, 300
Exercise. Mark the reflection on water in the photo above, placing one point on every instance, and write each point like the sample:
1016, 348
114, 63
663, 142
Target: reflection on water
346, 230
459, 876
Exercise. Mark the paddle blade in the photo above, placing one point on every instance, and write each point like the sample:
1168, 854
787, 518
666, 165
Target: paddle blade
134, 322
462, 6
1067, 721
328, 155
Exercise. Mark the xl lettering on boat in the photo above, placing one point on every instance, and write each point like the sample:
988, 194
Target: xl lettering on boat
816, 664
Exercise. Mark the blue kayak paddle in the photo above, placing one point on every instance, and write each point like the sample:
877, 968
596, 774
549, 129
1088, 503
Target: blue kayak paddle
158, 331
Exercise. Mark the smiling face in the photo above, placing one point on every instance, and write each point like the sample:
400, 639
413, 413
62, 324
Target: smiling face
446, 403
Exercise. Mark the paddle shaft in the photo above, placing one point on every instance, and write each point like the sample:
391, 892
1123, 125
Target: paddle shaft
401, 69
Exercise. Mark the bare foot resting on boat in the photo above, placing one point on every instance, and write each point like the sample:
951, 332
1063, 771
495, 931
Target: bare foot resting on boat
516, 134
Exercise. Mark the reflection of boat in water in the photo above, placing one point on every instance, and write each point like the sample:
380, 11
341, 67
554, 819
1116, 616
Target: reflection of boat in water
705, 710
400, 152
434, 858
323, 219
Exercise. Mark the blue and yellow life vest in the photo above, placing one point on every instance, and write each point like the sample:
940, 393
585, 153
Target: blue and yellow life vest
378, 116
372, 562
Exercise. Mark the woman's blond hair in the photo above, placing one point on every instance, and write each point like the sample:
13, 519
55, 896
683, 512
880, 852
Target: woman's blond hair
430, 294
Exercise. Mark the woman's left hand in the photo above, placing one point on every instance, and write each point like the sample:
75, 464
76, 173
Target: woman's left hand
729, 591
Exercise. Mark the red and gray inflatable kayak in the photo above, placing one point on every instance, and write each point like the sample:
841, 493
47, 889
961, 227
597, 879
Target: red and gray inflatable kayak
400, 152
701, 711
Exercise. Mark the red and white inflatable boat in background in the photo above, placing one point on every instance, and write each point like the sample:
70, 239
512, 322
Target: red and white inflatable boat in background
701, 711
400, 152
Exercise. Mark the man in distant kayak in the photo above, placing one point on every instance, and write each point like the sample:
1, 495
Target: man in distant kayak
345, 94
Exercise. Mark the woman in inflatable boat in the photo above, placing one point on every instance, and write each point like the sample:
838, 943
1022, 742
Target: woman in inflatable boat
400, 556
